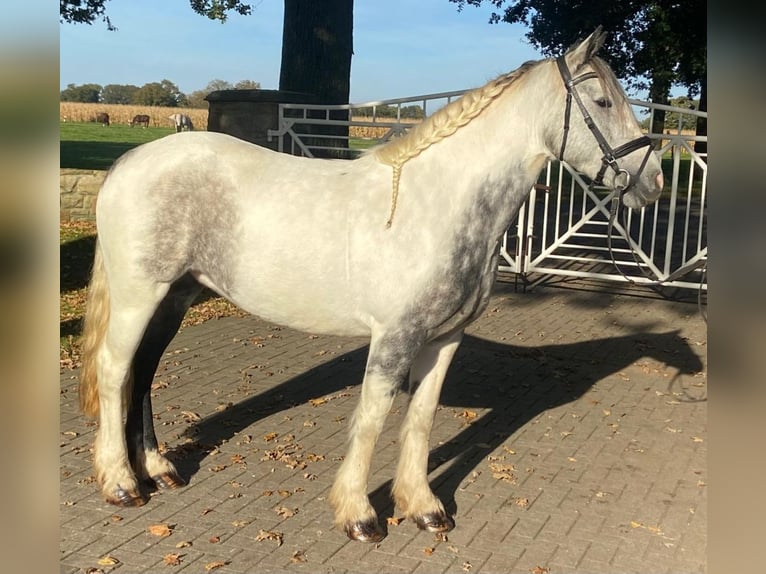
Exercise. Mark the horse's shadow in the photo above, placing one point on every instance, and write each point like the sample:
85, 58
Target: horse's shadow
516, 383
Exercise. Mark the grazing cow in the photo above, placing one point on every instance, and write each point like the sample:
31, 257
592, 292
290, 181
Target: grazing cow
102, 118
182, 122
139, 120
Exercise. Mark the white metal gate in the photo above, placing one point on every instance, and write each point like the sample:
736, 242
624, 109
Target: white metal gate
562, 228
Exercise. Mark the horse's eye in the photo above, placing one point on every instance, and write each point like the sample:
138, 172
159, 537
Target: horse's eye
603, 103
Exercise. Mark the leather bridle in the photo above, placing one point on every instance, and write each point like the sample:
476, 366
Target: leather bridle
609, 160
611, 155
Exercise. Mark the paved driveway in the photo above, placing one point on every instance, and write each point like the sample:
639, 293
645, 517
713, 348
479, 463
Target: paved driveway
572, 437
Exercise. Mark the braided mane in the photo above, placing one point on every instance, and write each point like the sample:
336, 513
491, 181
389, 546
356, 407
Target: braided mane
440, 125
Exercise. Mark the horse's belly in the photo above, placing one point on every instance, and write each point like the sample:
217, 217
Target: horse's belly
311, 308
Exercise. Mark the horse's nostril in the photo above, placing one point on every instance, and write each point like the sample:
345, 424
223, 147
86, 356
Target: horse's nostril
659, 182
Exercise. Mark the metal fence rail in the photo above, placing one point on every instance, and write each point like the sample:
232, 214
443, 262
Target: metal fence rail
562, 228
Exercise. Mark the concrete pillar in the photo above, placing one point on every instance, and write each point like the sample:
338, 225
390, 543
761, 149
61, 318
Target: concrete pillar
249, 114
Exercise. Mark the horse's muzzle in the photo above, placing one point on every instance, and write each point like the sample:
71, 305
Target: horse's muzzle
644, 191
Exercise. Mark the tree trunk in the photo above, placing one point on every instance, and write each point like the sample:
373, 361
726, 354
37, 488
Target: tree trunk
317, 44
659, 93
701, 147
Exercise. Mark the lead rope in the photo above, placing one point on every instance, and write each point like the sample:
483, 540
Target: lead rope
613, 210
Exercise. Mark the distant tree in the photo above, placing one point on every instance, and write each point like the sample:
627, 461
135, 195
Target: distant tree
88, 93
164, 93
413, 112
215, 85
247, 85
196, 99
118, 93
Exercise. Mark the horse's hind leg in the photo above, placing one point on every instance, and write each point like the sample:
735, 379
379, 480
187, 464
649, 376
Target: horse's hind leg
143, 450
389, 360
411, 491
132, 305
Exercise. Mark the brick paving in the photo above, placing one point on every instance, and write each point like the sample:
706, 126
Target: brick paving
571, 437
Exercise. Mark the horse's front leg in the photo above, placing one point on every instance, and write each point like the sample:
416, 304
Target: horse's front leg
411, 491
389, 360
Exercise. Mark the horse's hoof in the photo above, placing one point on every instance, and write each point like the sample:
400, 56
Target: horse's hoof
435, 522
168, 481
122, 497
368, 531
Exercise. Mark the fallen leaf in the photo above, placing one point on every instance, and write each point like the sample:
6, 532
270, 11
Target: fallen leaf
539, 570
217, 564
522, 502
467, 566
191, 416
317, 402
453, 548
108, 560
184, 544
285, 512
160, 530
268, 437
269, 535
469, 416
298, 556
394, 521
428, 550
172, 559
214, 539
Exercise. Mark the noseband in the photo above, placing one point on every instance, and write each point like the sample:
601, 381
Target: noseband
609, 160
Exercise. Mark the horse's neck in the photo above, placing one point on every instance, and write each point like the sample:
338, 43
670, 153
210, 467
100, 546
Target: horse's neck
494, 160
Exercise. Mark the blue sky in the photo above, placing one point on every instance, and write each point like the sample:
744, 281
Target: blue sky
401, 47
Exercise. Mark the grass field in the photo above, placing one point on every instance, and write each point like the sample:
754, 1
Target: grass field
93, 146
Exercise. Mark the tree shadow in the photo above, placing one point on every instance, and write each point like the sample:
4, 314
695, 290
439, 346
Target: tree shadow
516, 383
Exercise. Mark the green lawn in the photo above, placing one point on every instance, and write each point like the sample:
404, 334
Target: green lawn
93, 146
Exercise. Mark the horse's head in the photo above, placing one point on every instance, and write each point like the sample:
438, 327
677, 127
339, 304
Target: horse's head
601, 136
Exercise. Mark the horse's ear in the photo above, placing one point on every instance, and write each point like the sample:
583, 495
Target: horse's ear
582, 52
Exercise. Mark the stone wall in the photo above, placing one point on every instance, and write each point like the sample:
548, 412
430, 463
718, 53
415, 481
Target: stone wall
78, 192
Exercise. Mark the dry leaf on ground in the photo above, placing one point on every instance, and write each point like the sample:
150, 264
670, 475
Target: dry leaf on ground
269, 535
108, 560
160, 530
172, 559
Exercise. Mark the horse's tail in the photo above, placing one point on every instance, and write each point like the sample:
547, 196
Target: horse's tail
96, 322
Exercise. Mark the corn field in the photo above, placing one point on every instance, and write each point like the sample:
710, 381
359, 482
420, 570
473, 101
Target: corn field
122, 114
158, 117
